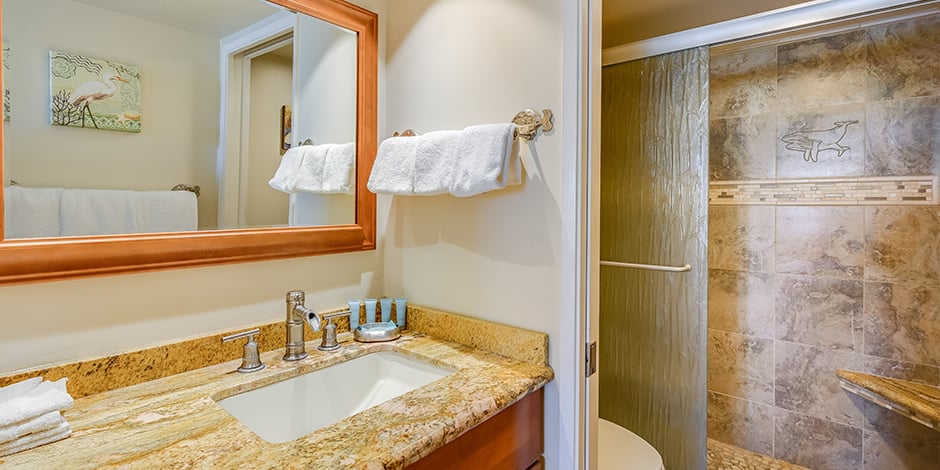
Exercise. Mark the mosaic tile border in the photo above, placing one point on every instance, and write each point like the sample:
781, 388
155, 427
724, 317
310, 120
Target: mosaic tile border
862, 191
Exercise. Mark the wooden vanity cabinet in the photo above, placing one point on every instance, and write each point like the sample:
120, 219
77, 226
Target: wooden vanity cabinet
510, 440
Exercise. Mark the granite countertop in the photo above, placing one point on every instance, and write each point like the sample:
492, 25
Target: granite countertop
916, 401
174, 422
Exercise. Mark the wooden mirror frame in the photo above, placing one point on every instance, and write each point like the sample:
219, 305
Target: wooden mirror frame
47, 259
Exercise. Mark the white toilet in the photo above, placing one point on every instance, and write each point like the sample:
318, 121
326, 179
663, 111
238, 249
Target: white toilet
620, 449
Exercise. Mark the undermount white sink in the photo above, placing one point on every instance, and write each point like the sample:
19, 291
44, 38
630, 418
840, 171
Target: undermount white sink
292, 408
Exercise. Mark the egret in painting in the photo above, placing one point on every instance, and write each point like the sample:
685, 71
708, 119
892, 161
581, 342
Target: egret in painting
94, 90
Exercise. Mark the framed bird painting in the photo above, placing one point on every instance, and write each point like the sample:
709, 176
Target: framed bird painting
93, 93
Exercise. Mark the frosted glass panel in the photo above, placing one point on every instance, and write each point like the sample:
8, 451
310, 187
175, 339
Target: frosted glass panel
654, 196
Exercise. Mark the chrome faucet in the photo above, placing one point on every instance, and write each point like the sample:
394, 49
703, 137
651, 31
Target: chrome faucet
297, 313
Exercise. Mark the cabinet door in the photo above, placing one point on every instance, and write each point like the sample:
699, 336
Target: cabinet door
511, 440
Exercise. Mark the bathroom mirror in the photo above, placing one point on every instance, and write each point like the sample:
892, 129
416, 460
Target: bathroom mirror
343, 36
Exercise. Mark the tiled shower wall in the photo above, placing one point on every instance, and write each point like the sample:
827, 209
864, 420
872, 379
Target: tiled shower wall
796, 292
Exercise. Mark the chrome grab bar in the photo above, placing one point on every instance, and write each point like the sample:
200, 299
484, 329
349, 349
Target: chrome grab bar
651, 267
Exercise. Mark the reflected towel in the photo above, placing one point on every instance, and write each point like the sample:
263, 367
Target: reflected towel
28, 402
30, 441
434, 162
166, 211
483, 159
31, 212
394, 169
338, 169
287, 169
98, 212
309, 177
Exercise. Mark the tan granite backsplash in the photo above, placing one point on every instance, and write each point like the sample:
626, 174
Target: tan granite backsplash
91, 376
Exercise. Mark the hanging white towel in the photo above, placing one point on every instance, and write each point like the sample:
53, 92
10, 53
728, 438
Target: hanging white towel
338, 169
31, 212
30, 441
434, 162
482, 161
287, 170
394, 169
309, 177
98, 212
166, 211
29, 403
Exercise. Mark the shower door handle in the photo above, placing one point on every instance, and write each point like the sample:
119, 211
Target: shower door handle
651, 267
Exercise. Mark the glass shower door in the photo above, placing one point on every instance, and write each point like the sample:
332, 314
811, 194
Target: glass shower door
654, 209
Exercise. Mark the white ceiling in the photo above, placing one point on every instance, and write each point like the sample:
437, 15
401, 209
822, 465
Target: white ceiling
214, 18
626, 21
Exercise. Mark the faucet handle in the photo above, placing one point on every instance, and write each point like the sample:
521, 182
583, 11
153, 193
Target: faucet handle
328, 342
251, 360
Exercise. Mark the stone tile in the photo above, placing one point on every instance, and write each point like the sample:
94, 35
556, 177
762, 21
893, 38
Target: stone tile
821, 142
741, 238
741, 366
741, 302
892, 441
743, 83
903, 137
819, 312
806, 383
742, 423
821, 241
742, 148
823, 71
816, 443
902, 321
901, 244
903, 59
912, 372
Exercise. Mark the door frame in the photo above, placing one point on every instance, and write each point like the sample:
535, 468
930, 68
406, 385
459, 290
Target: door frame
234, 52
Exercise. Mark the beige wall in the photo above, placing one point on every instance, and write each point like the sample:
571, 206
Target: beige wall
797, 292
497, 256
180, 101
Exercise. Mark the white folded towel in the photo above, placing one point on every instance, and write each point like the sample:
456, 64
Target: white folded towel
19, 388
393, 170
483, 159
98, 212
31, 212
37, 439
44, 422
30, 402
309, 177
287, 169
434, 162
338, 169
166, 211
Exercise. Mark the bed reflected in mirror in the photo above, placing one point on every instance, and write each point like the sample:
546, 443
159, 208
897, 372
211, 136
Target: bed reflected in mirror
129, 117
